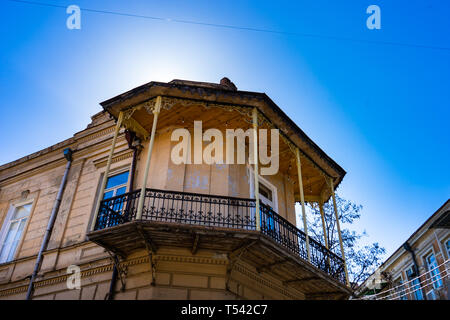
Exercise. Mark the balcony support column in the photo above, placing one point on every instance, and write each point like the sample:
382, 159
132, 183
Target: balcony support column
156, 110
256, 176
324, 226
339, 230
302, 200
108, 165
322, 215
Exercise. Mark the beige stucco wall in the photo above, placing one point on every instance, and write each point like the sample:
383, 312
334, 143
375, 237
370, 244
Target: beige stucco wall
40, 176
179, 275
219, 179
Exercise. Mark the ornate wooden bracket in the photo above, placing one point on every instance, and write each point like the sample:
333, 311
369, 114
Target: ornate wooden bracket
195, 243
121, 271
233, 258
151, 249
130, 123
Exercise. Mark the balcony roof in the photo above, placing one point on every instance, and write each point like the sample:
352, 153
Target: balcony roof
226, 93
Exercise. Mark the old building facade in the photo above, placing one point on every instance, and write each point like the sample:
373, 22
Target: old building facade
418, 270
197, 231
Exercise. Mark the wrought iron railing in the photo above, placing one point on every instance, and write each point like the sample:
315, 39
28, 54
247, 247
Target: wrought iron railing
217, 211
290, 237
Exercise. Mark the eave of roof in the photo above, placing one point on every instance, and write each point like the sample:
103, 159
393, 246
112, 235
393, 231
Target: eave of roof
208, 89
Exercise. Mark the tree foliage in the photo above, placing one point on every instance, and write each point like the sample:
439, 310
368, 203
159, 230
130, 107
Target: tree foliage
362, 260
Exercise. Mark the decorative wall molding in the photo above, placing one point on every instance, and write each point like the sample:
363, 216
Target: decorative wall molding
261, 281
108, 266
119, 156
96, 134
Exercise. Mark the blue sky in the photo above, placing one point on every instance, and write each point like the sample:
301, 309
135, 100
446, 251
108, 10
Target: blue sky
381, 111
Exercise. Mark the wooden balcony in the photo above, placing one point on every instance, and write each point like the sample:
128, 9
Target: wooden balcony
224, 224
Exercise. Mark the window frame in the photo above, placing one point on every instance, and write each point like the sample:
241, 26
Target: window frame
115, 188
412, 289
447, 249
101, 193
268, 185
430, 275
403, 292
7, 224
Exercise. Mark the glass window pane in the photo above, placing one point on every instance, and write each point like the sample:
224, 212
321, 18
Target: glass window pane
108, 194
117, 180
265, 192
7, 244
434, 271
22, 211
121, 191
417, 290
16, 239
4, 252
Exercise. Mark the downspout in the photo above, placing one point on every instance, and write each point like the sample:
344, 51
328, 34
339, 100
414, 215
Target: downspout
408, 248
51, 223
131, 138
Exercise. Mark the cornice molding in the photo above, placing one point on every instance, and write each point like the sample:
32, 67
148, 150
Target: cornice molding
109, 266
262, 282
121, 155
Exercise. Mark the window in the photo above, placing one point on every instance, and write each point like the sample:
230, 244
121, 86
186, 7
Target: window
12, 231
431, 295
447, 246
401, 292
267, 191
116, 185
434, 271
415, 284
266, 195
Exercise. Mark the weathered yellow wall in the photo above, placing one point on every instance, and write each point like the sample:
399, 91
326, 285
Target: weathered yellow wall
179, 275
41, 176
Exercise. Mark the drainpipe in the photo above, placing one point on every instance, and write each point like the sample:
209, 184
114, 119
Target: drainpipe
131, 138
408, 248
68, 155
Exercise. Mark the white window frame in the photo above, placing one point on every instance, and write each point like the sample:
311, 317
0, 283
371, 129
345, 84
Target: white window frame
430, 276
432, 292
403, 291
7, 223
101, 193
411, 285
447, 249
115, 173
268, 185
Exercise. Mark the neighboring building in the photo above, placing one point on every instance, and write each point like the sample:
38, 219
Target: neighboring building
418, 270
197, 232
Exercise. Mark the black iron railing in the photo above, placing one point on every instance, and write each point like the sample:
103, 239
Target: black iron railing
289, 236
217, 211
